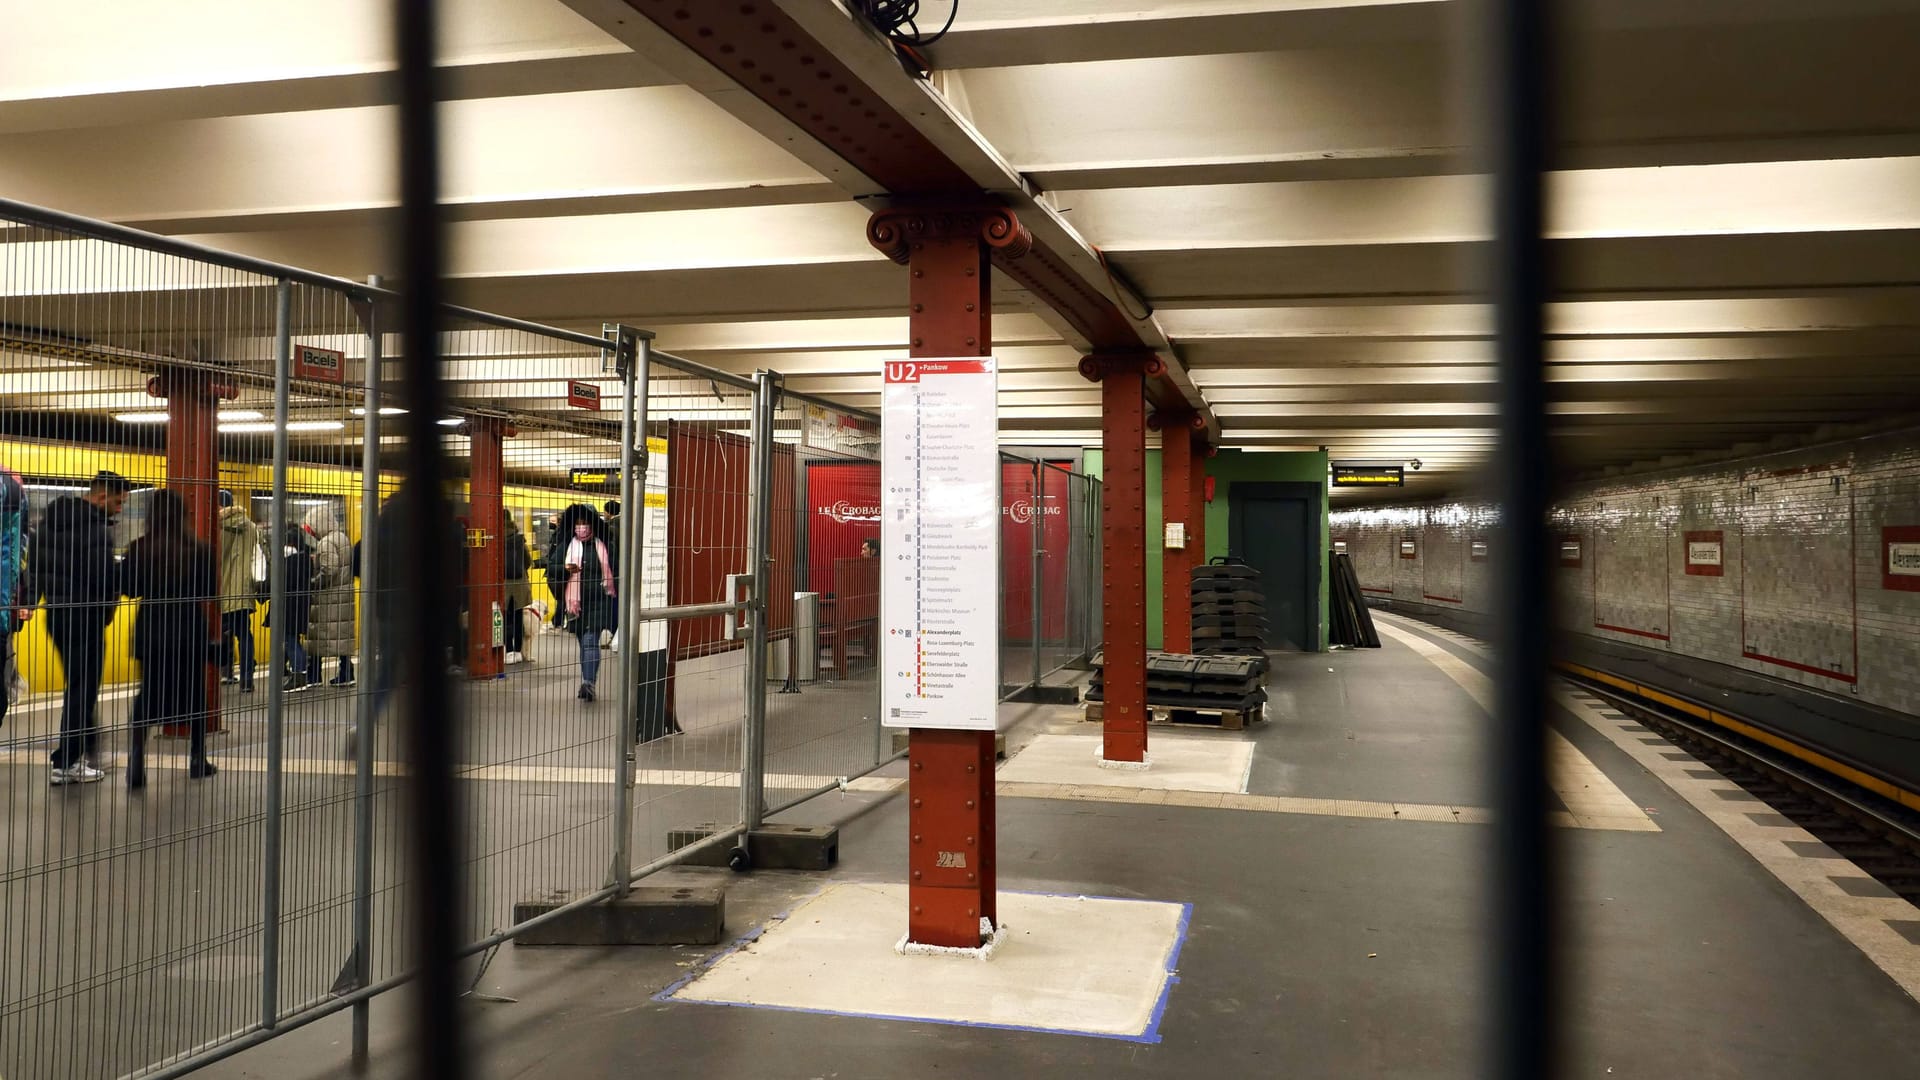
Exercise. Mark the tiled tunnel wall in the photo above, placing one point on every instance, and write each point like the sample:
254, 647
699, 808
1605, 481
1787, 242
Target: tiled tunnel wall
1804, 566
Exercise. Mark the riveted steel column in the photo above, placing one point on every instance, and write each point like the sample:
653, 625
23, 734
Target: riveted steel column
1197, 492
1123, 548
486, 558
1176, 507
193, 473
949, 773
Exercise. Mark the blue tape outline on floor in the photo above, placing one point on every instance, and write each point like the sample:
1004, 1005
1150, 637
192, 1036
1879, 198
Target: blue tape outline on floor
1149, 1035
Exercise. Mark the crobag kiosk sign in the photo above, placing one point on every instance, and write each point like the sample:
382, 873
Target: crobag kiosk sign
940, 544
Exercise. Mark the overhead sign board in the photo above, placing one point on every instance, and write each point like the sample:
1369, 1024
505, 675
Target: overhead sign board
594, 477
319, 365
841, 433
583, 395
939, 545
1369, 476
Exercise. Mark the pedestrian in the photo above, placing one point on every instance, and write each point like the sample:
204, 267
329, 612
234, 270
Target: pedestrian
243, 567
298, 668
611, 508
587, 571
71, 564
330, 631
519, 592
173, 574
14, 609
869, 548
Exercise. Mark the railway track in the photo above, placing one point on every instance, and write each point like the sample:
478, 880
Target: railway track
1879, 836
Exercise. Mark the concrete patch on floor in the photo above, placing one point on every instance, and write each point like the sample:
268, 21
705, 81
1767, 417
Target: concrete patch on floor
1178, 763
1069, 965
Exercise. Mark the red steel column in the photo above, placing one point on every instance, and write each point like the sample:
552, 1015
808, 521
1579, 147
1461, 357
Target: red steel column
486, 563
1123, 547
950, 805
193, 473
1176, 506
1197, 523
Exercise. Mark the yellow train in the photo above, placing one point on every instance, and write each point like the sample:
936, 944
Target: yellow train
51, 469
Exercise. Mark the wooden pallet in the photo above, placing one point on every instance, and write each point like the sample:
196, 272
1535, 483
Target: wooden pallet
1189, 716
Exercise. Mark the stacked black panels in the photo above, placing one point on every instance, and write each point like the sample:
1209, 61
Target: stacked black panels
1229, 610
1184, 681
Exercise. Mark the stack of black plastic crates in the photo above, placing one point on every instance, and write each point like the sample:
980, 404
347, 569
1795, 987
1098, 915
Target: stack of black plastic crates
1179, 684
1229, 611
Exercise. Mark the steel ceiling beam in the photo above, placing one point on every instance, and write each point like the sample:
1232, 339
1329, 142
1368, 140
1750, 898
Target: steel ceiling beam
832, 91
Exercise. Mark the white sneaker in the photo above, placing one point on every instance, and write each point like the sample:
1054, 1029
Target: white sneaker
79, 774
515, 658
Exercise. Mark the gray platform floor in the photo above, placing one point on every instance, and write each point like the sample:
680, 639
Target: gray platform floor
1320, 946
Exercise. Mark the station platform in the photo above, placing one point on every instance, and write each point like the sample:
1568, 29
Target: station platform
1337, 915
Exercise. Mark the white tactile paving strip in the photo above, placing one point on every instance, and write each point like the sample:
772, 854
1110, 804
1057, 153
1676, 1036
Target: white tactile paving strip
1862, 910
1593, 800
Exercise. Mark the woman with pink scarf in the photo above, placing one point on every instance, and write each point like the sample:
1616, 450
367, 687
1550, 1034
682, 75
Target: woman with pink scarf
586, 566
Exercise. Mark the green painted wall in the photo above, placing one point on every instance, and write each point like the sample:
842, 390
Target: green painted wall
1226, 468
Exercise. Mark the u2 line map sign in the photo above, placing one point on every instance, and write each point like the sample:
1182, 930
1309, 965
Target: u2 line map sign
940, 544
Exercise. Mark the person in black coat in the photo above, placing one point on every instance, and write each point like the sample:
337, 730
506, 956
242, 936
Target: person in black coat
582, 570
70, 563
302, 670
174, 575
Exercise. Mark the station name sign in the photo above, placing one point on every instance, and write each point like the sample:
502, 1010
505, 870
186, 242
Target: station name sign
1369, 476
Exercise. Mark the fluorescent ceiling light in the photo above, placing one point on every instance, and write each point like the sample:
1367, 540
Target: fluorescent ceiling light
385, 410
452, 421
292, 425
161, 417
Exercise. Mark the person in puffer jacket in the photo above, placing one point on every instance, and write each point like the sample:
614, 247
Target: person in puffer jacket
330, 626
71, 564
239, 590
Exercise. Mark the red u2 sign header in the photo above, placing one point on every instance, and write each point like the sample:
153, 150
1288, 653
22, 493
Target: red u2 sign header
583, 395
912, 371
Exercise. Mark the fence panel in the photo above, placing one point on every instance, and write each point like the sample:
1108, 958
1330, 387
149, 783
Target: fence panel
822, 710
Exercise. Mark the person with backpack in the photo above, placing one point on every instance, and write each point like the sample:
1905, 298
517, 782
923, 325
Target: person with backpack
14, 611
519, 592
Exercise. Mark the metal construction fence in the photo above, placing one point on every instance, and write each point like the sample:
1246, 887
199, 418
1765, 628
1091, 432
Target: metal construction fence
202, 467
1050, 569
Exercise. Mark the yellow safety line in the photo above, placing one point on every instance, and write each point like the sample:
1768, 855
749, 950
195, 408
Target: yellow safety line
1815, 758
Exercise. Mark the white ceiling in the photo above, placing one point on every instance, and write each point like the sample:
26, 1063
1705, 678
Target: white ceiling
1289, 183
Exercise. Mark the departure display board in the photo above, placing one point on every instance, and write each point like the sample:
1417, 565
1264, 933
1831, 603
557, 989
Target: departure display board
1369, 476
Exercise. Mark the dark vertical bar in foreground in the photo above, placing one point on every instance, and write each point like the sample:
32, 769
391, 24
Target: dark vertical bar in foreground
438, 1048
1524, 1026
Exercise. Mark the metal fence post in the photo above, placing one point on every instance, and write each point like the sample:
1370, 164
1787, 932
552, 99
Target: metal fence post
1038, 541
753, 749
276, 645
1527, 1023
371, 663
630, 357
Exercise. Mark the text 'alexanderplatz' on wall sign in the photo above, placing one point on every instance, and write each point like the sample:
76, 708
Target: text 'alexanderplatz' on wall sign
1369, 476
